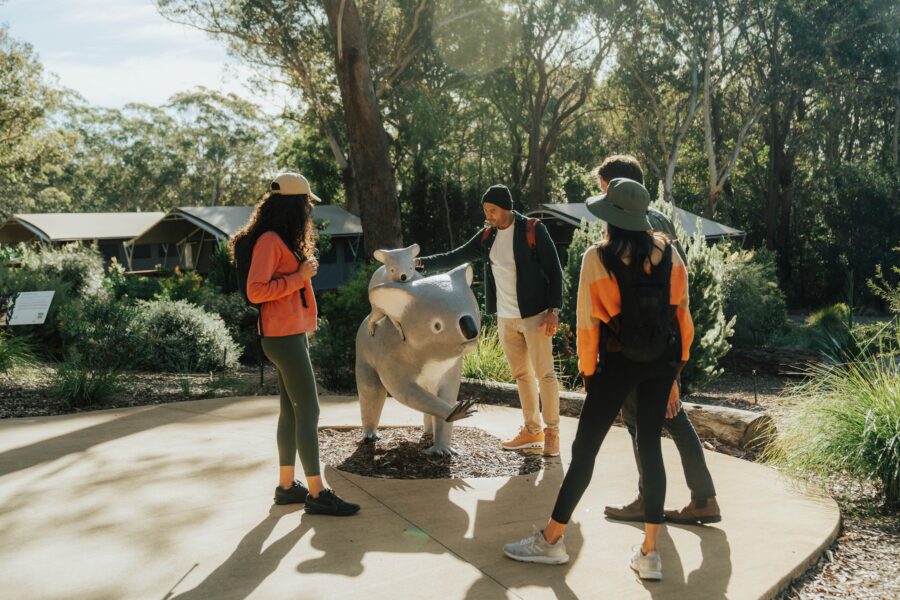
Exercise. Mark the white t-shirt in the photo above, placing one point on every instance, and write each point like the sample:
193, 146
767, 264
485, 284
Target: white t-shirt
503, 266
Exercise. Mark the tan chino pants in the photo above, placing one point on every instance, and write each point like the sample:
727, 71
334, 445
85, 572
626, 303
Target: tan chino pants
530, 355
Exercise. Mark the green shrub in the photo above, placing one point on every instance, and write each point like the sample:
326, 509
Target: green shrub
14, 352
79, 266
103, 331
186, 286
77, 385
753, 299
566, 356
179, 337
847, 421
333, 348
487, 362
878, 338
131, 287
706, 273
586, 235
222, 274
884, 289
239, 318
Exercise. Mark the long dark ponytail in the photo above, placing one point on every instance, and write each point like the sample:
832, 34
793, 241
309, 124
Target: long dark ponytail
637, 246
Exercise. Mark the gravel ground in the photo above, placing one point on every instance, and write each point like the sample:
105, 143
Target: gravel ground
399, 454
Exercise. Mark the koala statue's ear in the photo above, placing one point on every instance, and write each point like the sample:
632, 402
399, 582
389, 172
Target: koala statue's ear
414, 249
464, 270
392, 300
380, 256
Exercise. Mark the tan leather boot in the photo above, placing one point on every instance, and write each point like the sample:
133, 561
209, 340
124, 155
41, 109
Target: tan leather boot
524, 441
551, 442
627, 512
705, 510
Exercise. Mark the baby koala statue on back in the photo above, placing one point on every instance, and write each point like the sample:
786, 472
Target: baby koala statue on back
423, 370
399, 266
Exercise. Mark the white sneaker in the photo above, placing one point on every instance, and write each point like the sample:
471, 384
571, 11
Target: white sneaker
536, 549
647, 566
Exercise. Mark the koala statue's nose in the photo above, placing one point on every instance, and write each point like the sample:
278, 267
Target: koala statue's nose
468, 327
403, 277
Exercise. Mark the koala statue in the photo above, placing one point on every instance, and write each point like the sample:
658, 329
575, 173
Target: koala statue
440, 317
399, 265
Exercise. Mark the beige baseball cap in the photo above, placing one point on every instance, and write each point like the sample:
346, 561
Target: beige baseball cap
292, 184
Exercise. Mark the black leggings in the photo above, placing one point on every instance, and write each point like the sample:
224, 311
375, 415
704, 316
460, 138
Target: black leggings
607, 391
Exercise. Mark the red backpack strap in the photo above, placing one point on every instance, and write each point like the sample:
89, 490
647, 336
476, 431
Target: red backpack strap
485, 234
529, 232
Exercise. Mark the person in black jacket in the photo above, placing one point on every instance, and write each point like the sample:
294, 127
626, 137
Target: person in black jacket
523, 286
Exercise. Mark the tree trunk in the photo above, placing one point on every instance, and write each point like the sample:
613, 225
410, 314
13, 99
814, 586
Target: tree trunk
369, 151
351, 194
538, 192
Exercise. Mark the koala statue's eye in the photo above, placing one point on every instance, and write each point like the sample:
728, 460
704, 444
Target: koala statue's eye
392, 269
437, 326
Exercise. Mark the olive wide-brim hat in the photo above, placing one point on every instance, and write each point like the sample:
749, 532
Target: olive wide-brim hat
624, 205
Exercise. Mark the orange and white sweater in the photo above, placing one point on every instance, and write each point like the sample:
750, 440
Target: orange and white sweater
599, 301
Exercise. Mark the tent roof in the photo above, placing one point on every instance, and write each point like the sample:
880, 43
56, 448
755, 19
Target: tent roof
66, 227
225, 221
575, 212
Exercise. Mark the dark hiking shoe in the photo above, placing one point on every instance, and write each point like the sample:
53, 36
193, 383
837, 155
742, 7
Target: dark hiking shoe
328, 503
295, 495
705, 510
627, 512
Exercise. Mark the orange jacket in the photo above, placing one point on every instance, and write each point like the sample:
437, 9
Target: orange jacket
274, 282
599, 300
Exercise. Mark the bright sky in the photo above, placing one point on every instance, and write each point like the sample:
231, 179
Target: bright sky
118, 51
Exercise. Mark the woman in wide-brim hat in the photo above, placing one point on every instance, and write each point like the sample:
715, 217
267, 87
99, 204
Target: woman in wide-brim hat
630, 252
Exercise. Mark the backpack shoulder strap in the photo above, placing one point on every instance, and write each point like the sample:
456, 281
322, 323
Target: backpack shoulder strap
485, 235
529, 231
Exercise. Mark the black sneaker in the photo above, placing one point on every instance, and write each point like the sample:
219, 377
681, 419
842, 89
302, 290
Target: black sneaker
328, 503
296, 494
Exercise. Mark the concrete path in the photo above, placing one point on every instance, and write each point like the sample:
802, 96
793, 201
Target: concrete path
174, 501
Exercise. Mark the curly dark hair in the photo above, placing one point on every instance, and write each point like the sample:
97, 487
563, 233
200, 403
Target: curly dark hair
620, 165
290, 216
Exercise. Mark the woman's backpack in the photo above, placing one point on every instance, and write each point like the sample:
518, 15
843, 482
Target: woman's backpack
645, 327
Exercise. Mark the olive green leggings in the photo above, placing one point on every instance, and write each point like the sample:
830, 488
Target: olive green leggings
298, 422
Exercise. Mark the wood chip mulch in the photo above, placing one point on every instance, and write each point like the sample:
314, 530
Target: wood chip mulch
864, 562
399, 454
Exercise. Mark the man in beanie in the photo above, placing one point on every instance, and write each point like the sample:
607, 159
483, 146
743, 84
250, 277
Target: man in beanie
523, 286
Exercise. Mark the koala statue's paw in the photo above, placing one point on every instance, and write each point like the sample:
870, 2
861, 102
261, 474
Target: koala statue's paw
462, 410
371, 436
370, 327
441, 450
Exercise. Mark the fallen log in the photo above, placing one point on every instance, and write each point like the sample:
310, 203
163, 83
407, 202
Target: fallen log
737, 428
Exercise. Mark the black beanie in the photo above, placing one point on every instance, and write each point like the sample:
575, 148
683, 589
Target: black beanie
498, 195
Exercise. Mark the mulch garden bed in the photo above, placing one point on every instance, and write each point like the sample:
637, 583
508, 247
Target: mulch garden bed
399, 454
864, 561
27, 392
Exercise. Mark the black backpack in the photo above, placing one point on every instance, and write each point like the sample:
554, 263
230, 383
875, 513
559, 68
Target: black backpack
243, 256
646, 326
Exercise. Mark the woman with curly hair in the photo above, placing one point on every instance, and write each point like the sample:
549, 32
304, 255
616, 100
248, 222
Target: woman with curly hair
283, 263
